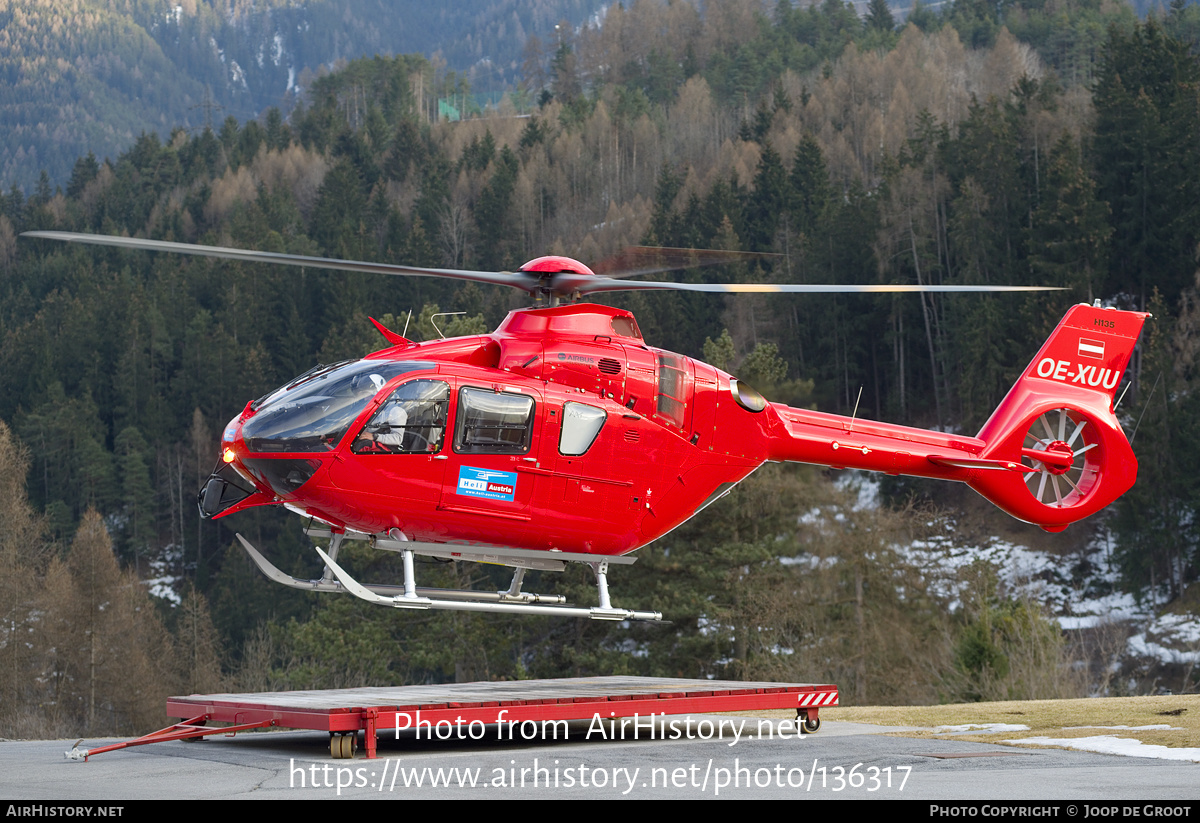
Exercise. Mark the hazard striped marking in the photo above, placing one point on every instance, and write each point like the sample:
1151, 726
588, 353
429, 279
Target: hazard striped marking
818, 699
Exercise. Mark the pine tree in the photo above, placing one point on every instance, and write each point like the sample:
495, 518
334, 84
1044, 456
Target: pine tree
1070, 234
1147, 165
879, 16
137, 494
196, 641
24, 553
767, 202
494, 214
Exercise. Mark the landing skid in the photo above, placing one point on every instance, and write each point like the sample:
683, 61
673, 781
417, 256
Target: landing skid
411, 596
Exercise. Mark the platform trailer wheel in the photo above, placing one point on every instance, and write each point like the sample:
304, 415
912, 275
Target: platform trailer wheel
343, 745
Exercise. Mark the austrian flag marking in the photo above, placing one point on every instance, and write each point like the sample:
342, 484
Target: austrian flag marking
1091, 348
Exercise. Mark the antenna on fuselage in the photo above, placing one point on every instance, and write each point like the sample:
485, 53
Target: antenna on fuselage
442, 314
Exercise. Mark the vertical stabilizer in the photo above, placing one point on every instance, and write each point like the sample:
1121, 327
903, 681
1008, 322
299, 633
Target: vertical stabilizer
1058, 423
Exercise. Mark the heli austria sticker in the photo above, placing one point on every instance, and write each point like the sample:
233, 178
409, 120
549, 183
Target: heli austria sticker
486, 483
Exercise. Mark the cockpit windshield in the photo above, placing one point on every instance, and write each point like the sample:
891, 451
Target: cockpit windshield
312, 413
321, 368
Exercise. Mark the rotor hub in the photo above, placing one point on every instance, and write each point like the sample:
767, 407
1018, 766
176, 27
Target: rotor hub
556, 265
1056, 457
557, 277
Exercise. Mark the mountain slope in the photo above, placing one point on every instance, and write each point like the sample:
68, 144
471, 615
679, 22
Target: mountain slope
85, 75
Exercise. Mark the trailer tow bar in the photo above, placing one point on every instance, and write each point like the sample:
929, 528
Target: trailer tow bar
192, 729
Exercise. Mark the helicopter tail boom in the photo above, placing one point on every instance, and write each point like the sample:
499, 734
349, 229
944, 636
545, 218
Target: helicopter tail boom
1051, 454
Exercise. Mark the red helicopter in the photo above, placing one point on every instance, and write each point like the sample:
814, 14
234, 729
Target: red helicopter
563, 437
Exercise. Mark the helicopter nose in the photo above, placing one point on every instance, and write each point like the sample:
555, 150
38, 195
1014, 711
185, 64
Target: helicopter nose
225, 488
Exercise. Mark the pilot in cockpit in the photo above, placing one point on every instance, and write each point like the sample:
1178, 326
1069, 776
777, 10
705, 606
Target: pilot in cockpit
412, 421
389, 431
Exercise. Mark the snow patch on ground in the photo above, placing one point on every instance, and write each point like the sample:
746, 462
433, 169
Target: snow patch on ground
164, 589
162, 583
981, 728
864, 487
1111, 744
810, 561
1151, 728
1079, 590
1171, 638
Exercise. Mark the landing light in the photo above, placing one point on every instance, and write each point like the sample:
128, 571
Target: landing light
228, 455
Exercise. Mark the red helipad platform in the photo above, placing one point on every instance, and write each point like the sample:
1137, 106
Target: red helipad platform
449, 708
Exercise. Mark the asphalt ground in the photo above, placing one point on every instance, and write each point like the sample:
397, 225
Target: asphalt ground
843, 760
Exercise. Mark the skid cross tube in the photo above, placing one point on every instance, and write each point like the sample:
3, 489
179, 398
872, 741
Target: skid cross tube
411, 596
411, 600
332, 585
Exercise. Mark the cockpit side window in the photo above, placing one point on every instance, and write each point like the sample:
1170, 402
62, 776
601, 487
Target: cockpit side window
671, 386
411, 421
493, 422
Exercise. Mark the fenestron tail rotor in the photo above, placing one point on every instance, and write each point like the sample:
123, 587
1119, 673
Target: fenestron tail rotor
1062, 458
548, 279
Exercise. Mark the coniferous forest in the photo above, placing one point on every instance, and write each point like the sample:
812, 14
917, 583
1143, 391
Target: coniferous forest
1009, 143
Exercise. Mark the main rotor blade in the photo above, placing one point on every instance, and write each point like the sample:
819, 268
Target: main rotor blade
589, 286
517, 280
634, 261
560, 284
